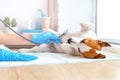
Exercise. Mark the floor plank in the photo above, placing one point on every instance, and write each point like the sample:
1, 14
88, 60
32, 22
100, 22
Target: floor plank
105, 70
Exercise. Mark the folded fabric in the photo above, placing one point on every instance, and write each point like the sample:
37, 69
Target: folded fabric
8, 55
45, 38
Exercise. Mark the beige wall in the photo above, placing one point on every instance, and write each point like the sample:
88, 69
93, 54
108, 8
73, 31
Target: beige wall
53, 13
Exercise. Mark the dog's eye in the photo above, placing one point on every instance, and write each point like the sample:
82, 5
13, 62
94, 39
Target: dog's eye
83, 41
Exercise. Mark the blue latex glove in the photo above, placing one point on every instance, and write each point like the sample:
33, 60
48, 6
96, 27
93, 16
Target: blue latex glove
8, 55
45, 37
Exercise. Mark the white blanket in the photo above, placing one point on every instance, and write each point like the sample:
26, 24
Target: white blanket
57, 58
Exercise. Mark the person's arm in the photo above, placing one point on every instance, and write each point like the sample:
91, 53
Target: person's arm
13, 39
45, 37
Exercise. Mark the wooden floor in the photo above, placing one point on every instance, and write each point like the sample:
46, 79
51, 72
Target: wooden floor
105, 70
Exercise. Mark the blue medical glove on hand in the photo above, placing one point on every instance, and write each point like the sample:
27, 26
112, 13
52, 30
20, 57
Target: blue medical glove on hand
8, 55
45, 37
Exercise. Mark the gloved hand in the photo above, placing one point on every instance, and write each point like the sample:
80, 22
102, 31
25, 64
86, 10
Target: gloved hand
8, 55
45, 37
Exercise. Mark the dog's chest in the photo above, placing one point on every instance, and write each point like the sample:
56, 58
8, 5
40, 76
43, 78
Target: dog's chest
88, 34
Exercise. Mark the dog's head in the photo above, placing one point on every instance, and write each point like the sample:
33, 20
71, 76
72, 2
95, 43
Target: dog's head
76, 44
90, 42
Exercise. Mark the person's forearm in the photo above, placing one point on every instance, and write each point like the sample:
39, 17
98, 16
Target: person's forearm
13, 39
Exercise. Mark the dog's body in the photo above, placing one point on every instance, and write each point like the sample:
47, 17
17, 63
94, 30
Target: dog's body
78, 44
86, 47
59, 48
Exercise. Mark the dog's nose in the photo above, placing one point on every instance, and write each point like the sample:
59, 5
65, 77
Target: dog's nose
69, 40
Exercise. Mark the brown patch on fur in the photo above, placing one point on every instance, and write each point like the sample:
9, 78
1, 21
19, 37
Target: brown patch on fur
92, 43
95, 44
90, 54
93, 54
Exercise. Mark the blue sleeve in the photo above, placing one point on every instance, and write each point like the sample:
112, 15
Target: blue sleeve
45, 37
8, 55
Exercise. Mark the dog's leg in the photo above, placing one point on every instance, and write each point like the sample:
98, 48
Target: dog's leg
34, 49
41, 48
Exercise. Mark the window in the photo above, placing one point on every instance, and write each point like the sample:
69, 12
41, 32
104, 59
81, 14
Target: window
73, 12
108, 23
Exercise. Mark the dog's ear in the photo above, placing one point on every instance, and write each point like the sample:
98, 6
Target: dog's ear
103, 43
106, 44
